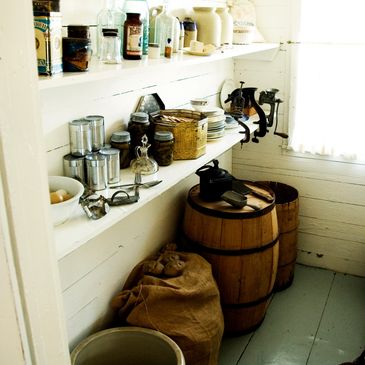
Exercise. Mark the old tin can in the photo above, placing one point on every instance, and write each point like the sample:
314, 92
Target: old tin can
74, 166
80, 137
112, 160
96, 171
97, 131
48, 39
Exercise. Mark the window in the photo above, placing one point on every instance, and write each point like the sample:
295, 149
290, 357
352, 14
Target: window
327, 106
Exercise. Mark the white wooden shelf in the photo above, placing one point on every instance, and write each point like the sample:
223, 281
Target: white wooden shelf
98, 71
79, 229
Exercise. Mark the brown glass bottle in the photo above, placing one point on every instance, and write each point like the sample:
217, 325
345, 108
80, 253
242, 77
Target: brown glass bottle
133, 37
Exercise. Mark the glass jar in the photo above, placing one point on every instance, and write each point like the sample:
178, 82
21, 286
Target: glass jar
122, 141
140, 7
76, 54
110, 46
133, 34
138, 126
163, 148
78, 31
190, 31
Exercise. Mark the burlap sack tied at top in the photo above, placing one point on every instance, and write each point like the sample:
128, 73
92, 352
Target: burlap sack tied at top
175, 293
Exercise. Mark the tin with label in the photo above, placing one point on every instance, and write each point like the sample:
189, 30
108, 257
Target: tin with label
48, 40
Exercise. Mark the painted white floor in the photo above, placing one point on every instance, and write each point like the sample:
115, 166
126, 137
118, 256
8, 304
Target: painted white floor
319, 320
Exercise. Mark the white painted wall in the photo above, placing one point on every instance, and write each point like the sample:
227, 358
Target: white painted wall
332, 192
92, 274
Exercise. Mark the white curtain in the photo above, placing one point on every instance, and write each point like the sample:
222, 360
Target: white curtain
327, 106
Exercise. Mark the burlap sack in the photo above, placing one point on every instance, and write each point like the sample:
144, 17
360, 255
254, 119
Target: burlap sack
185, 308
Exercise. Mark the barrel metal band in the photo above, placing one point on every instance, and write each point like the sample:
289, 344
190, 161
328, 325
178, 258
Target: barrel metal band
240, 252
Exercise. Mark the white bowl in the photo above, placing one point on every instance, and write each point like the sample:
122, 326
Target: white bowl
62, 211
198, 104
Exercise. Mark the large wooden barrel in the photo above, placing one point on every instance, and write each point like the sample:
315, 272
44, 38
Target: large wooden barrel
242, 247
287, 208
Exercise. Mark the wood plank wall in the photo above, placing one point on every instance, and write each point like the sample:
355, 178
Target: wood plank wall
332, 192
91, 275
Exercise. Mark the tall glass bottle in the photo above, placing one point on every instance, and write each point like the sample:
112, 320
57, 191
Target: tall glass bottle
111, 16
141, 7
165, 26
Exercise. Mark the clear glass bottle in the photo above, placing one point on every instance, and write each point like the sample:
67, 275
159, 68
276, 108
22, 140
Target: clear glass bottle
165, 26
111, 16
153, 14
141, 7
110, 46
142, 163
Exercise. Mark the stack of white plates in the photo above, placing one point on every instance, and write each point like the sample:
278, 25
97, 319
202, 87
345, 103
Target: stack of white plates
216, 122
230, 122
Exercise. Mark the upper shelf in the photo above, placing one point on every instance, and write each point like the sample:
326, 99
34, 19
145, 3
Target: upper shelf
79, 229
98, 71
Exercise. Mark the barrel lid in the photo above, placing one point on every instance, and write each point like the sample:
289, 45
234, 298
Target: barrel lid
223, 209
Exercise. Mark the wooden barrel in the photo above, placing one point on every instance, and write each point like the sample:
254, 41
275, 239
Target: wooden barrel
287, 209
242, 246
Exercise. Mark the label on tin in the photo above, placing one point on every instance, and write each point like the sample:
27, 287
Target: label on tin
48, 41
134, 40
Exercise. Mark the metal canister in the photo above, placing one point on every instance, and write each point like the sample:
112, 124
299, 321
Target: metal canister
97, 131
80, 137
74, 166
96, 171
112, 160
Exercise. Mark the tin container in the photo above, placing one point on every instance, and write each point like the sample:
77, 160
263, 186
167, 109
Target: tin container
97, 131
112, 160
74, 166
96, 171
80, 137
48, 39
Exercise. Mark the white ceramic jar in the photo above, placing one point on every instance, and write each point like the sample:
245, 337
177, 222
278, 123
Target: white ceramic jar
209, 25
227, 26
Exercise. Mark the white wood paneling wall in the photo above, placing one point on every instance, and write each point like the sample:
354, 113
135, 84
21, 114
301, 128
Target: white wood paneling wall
92, 274
332, 193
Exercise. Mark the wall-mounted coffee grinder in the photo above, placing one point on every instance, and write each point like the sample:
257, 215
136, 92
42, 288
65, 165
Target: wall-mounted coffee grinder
243, 99
268, 96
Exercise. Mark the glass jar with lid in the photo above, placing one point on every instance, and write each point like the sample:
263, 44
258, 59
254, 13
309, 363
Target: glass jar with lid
122, 141
163, 148
138, 126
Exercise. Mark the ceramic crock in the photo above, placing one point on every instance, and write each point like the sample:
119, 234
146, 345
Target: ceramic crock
227, 26
209, 25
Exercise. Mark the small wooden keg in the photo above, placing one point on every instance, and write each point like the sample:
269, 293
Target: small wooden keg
287, 208
242, 246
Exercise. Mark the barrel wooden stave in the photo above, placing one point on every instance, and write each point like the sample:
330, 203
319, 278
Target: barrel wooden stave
287, 208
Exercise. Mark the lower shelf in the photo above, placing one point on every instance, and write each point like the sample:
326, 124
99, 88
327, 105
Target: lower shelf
79, 229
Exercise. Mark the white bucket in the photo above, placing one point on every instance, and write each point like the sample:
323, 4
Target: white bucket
243, 34
127, 345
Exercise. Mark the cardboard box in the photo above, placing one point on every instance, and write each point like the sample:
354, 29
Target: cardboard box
48, 38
